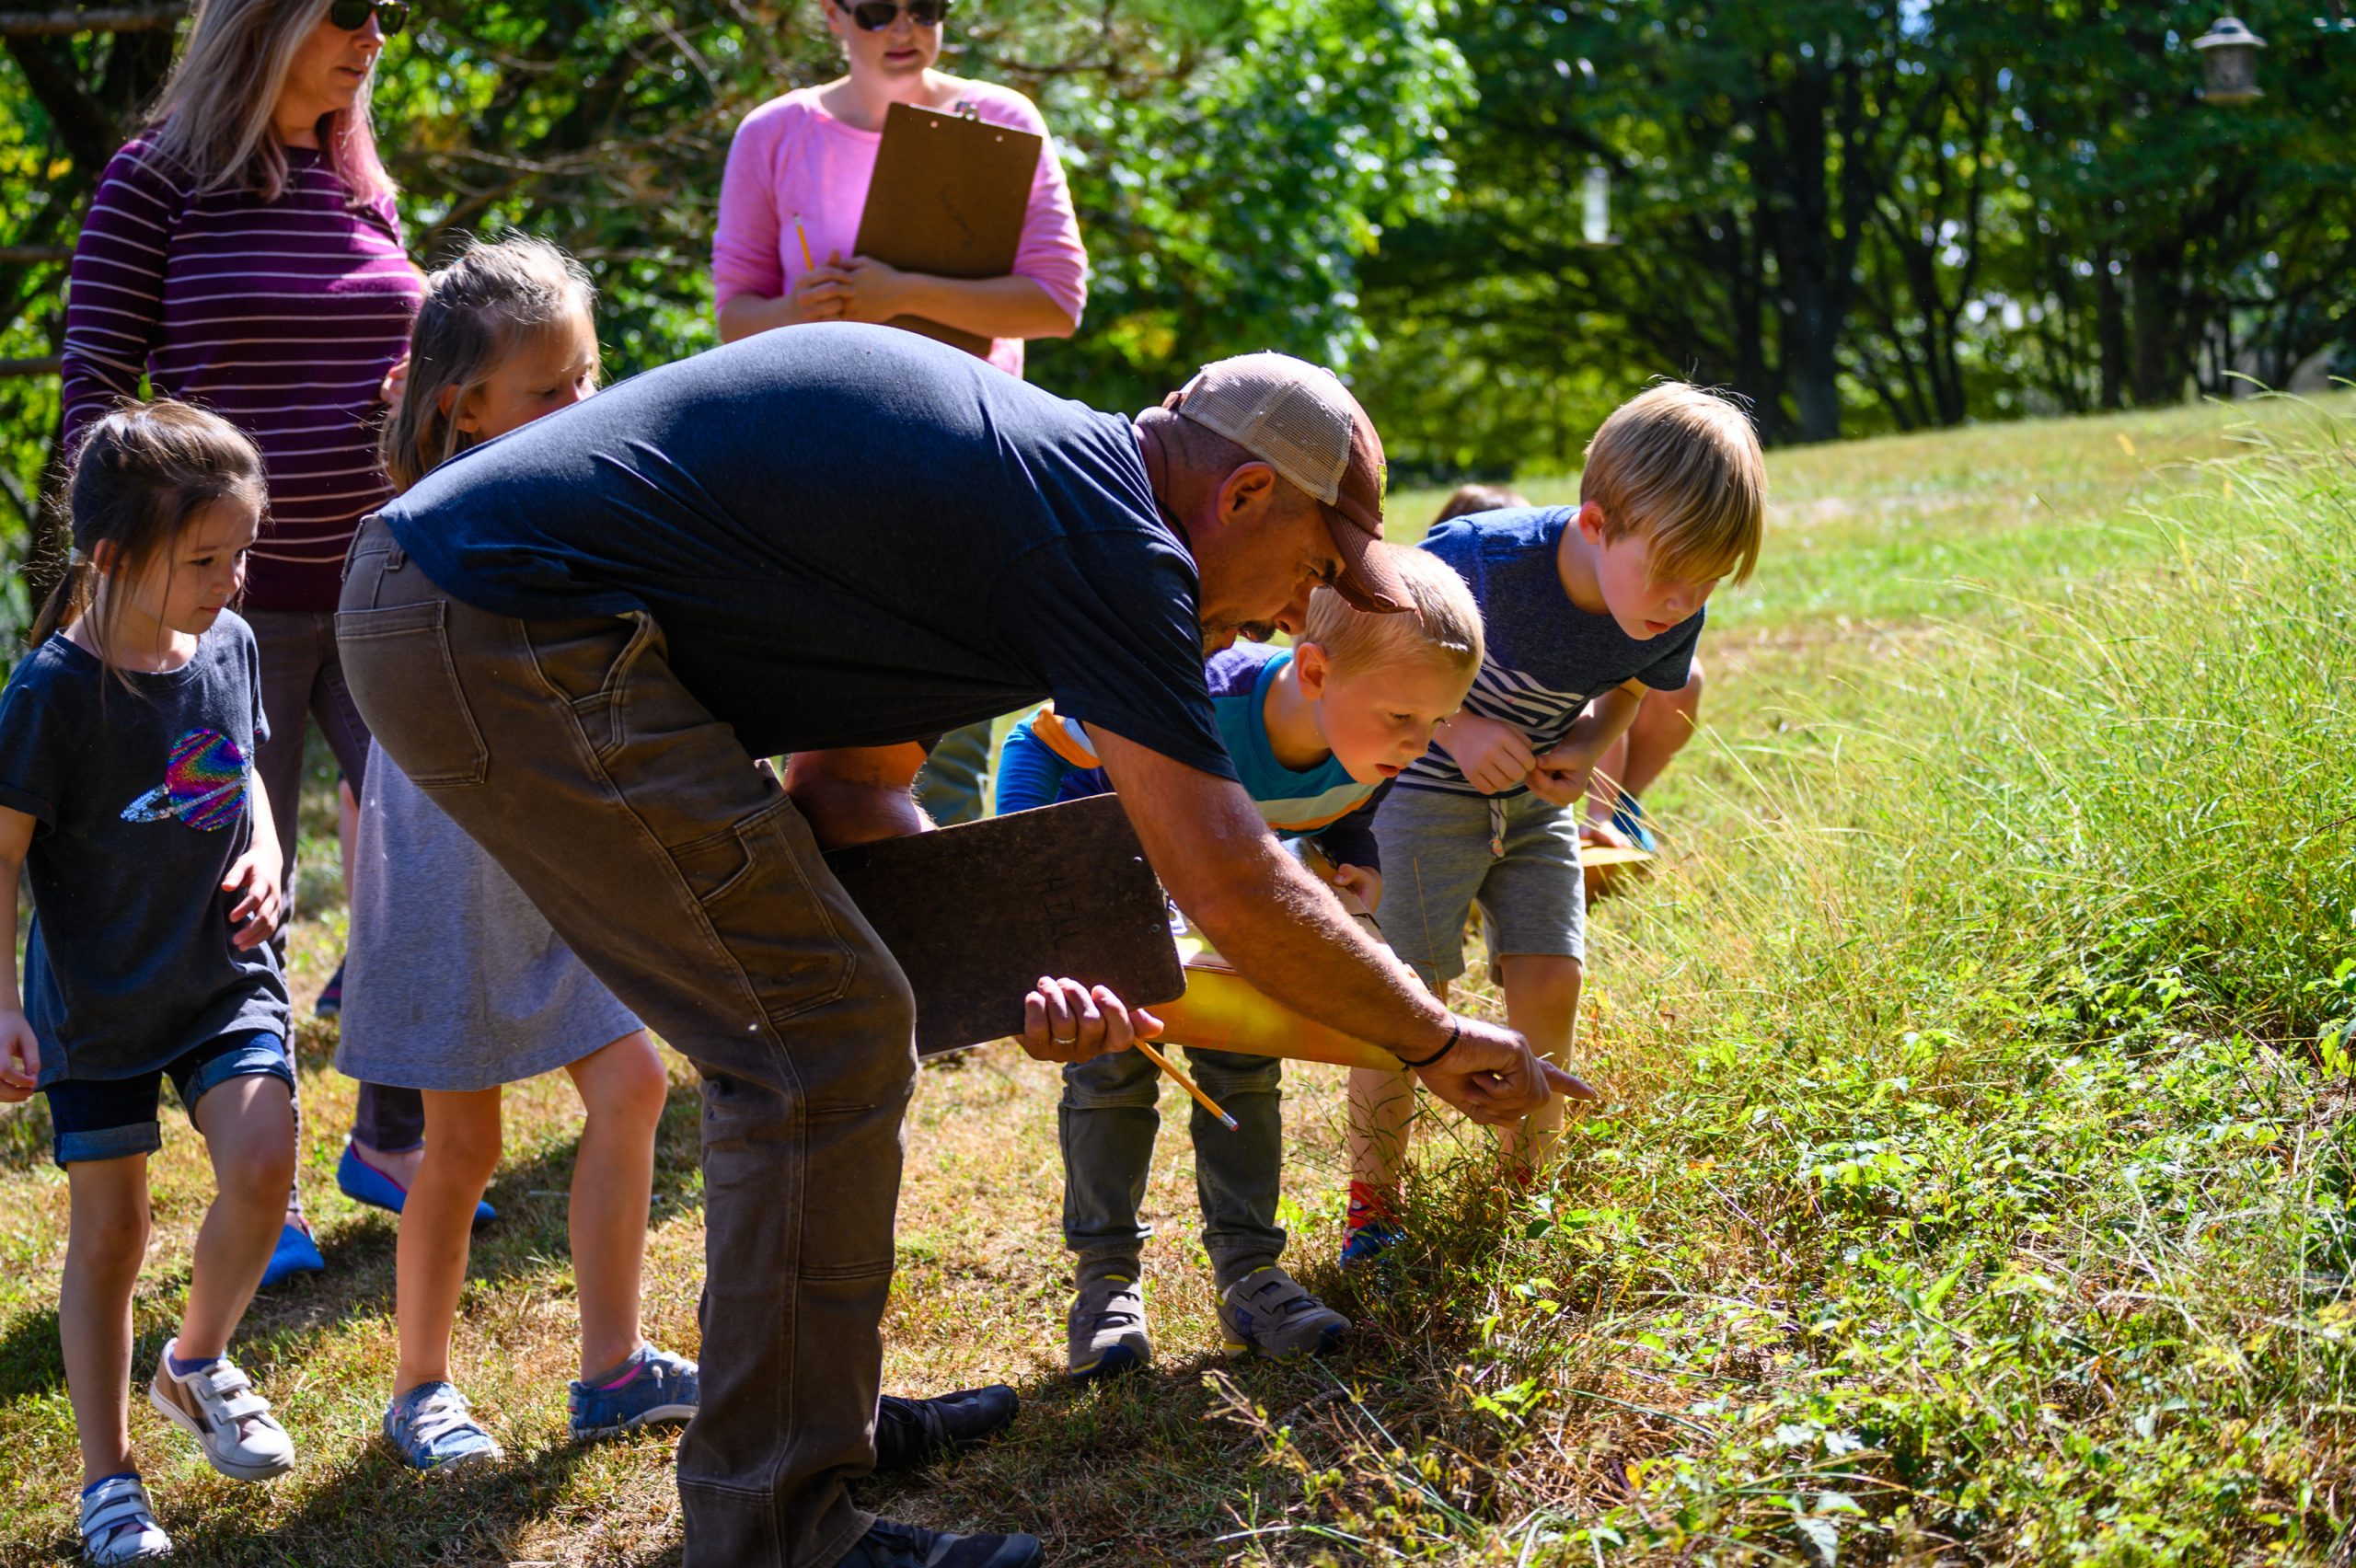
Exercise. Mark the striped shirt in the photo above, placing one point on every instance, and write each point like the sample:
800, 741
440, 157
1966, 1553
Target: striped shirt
1546, 657
281, 317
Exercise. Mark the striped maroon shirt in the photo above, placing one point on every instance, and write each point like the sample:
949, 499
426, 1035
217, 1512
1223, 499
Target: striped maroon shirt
281, 317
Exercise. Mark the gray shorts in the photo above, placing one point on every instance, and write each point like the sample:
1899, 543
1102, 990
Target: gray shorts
1516, 857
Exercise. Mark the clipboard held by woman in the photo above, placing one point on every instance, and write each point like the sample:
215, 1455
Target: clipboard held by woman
947, 199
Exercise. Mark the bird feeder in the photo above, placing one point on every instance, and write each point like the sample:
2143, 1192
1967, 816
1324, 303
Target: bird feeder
2229, 63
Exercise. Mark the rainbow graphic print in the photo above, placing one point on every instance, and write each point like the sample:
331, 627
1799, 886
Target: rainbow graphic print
205, 784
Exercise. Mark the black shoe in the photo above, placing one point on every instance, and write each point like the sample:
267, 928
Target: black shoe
890, 1544
912, 1433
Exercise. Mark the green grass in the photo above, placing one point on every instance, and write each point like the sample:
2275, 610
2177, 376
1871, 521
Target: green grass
1976, 1185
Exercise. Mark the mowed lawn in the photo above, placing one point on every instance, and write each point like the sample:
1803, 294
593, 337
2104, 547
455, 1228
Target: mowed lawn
1976, 1185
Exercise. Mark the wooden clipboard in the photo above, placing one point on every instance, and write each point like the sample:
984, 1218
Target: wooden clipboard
976, 914
948, 198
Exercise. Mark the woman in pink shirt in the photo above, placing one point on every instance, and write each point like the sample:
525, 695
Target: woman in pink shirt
802, 163
806, 159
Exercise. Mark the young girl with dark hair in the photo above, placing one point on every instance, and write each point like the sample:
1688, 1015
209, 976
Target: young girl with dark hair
127, 790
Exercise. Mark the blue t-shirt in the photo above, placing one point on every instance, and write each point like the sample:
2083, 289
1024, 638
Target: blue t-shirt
849, 535
1546, 657
139, 800
1048, 757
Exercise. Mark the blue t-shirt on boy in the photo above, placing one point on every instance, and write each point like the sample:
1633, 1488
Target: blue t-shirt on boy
1546, 657
139, 799
1048, 757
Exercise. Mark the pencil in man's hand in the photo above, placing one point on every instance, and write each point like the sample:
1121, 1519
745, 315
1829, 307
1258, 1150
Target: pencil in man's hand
1205, 1101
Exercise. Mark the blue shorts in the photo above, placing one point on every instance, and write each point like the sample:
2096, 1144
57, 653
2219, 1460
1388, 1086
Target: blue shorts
110, 1118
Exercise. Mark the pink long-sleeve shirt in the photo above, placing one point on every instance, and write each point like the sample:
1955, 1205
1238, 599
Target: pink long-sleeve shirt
792, 159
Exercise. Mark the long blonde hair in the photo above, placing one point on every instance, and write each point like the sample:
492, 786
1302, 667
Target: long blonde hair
477, 311
214, 116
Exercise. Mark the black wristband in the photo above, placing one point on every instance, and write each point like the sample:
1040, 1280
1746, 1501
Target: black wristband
1455, 1033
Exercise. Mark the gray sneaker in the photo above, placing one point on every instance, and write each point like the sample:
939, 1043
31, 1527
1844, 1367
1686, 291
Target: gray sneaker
1270, 1313
216, 1405
1105, 1332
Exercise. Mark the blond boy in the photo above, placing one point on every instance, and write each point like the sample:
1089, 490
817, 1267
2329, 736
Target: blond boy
1585, 606
1316, 732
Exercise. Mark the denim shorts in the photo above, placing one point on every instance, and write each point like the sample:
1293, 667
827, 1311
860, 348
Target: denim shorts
1516, 857
108, 1118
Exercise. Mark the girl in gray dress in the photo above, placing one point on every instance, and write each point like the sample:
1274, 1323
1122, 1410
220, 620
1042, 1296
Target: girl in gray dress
456, 983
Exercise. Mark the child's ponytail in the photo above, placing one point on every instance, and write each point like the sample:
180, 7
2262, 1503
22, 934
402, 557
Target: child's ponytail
68, 600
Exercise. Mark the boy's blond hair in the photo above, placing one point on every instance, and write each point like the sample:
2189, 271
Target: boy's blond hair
1681, 465
1443, 624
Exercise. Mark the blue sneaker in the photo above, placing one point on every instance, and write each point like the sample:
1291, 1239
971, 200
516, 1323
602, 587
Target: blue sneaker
433, 1430
363, 1183
661, 1389
1628, 816
1369, 1241
295, 1254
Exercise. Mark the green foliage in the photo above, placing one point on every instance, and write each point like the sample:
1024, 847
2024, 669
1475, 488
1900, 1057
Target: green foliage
1980, 1184
1233, 215
1863, 215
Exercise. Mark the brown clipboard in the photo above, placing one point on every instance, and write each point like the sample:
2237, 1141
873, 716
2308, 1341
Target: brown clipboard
976, 914
947, 199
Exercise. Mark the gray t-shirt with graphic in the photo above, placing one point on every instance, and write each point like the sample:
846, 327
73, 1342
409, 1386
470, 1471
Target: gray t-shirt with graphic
140, 804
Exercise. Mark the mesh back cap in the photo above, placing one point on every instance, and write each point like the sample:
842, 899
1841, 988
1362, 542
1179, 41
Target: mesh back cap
1300, 420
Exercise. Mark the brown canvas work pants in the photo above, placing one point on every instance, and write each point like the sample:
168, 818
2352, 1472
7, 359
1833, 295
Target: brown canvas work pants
690, 884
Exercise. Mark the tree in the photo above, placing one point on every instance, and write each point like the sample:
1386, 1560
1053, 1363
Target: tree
2167, 224
1759, 153
1232, 161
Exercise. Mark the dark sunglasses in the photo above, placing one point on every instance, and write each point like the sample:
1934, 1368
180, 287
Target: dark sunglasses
874, 15
392, 15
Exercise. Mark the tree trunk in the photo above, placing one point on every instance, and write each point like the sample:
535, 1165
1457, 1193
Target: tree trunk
1790, 177
2159, 363
2110, 334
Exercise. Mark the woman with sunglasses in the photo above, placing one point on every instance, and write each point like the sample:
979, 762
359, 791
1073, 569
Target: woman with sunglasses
799, 169
786, 248
243, 253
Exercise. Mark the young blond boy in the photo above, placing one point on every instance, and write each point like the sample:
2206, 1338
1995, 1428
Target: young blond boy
1592, 605
1316, 732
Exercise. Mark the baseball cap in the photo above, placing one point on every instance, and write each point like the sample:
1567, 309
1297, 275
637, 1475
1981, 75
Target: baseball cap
1300, 420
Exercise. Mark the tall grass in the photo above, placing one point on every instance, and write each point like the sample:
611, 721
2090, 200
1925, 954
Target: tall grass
1979, 1187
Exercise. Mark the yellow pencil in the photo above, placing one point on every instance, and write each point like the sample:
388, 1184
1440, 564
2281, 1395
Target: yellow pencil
799, 234
1205, 1101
